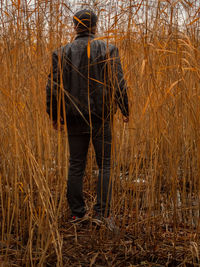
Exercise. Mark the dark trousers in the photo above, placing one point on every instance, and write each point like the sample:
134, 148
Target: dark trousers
79, 140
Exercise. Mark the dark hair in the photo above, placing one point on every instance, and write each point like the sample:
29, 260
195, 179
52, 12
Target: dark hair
85, 20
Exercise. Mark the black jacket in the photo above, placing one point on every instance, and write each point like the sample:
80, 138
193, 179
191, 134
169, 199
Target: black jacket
86, 76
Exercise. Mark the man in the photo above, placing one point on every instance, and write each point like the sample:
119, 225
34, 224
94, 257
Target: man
84, 86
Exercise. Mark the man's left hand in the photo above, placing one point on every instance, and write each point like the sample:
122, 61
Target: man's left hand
55, 126
125, 119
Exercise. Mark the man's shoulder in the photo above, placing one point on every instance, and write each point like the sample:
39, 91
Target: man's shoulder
112, 48
103, 43
59, 51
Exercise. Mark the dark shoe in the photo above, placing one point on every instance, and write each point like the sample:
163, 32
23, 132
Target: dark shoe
110, 224
76, 219
97, 219
107, 221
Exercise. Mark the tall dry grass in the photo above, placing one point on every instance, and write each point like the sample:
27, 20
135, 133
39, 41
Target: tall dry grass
155, 159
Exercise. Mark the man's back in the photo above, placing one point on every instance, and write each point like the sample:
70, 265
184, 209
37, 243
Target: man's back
92, 77
85, 76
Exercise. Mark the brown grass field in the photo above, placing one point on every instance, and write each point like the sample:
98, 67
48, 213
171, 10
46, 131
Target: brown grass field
156, 156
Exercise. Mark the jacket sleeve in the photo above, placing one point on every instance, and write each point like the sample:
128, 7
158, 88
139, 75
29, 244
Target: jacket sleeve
119, 82
53, 88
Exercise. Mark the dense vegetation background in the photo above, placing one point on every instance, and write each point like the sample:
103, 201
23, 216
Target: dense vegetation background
156, 156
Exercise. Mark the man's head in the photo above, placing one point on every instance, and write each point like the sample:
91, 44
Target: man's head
85, 21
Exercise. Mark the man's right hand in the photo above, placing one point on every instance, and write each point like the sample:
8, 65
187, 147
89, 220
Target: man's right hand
125, 119
55, 126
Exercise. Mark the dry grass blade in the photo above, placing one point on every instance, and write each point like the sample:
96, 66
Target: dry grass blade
92, 262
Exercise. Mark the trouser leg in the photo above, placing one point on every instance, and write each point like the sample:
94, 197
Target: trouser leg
78, 147
102, 144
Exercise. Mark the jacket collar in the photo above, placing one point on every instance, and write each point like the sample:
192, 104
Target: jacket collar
85, 34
